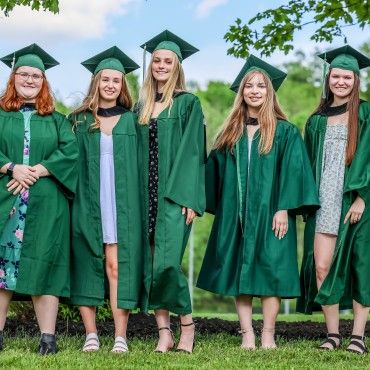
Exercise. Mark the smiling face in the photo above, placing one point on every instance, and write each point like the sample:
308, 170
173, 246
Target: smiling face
255, 91
28, 83
110, 86
162, 65
341, 82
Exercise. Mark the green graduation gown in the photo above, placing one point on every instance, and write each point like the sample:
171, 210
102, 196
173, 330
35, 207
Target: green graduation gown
181, 164
243, 254
87, 266
349, 275
44, 259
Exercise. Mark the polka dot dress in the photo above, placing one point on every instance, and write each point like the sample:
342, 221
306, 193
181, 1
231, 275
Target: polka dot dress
153, 175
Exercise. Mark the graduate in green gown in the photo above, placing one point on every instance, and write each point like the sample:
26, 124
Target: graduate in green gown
38, 175
106, 219
336, 262
172, 144
258, 179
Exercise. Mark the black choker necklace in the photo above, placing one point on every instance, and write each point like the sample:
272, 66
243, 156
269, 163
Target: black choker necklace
251, 121
334, 111
158, 96
112, 111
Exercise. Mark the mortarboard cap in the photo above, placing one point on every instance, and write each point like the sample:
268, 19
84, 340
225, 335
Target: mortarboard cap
112, 58
255, 64
30, 56
169, 41
346, 58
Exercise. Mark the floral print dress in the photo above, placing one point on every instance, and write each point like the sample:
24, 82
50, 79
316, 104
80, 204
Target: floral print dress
12, 235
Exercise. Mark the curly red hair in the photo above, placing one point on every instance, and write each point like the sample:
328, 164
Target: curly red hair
11, 102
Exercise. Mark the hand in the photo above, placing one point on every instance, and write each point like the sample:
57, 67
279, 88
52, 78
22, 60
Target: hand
190, 214
13, 184
355, 212
40, 170
280, 223
25, 175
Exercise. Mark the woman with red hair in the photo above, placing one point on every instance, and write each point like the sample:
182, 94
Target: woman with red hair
38, 155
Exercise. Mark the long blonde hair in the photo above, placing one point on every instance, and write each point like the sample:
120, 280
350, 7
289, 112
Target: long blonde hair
91, 101
269, 113
176, 82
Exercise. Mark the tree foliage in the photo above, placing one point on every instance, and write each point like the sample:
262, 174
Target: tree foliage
280, 24
7, 6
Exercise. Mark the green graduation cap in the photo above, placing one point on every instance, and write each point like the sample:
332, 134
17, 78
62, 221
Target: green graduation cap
30, 56
255, 64
346, 58
112, 58
169, 41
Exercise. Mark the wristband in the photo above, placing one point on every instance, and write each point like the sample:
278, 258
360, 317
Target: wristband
10, 170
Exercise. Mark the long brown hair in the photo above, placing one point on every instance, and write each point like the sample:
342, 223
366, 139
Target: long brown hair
269, 113
175, 82
91, 101
10, 101
352, 105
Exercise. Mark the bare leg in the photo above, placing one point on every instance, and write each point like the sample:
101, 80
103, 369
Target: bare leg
243, 305
166, 341
88, 314
120, 316
5, 298
324, 246
360, 315
46, 309
186, 342
270, 310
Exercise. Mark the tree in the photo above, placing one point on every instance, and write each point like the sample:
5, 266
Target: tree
332, 17
7, 6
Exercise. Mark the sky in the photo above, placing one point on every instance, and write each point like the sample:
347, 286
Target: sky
84, 28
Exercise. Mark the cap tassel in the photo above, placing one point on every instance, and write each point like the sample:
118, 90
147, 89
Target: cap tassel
324, 73
144, 62
13, 62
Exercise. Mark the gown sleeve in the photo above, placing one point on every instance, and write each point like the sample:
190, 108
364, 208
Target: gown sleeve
185, 184
62, 163
214, 180
297, 188
3, 161
359, 172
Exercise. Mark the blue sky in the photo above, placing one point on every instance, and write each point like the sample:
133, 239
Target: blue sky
85, 27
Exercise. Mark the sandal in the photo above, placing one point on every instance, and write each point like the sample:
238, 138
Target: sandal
356, 341
173, 340
329, 339
192, 348
92, 343
120, 345
269, 330
245, 331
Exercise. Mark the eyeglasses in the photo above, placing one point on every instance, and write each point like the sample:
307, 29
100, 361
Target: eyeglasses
34, 77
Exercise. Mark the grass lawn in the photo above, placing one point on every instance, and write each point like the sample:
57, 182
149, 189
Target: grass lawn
211, 352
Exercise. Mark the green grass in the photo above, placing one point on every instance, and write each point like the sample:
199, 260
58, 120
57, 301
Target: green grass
211, 352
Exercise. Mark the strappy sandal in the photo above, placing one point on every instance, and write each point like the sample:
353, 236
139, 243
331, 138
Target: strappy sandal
173, 340
120, 345
269, 330
245, 331
192, 348
329, 339
92, 343
356, 341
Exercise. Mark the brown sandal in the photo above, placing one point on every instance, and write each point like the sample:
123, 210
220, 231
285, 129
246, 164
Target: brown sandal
192, 348
329, 339
173, 339
356, 341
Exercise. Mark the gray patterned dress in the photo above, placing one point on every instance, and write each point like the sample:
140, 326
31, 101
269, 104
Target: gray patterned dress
332, 177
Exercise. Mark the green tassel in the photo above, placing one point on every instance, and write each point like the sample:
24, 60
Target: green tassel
324, 73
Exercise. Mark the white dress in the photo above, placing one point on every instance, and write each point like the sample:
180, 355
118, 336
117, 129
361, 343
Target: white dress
107, 190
